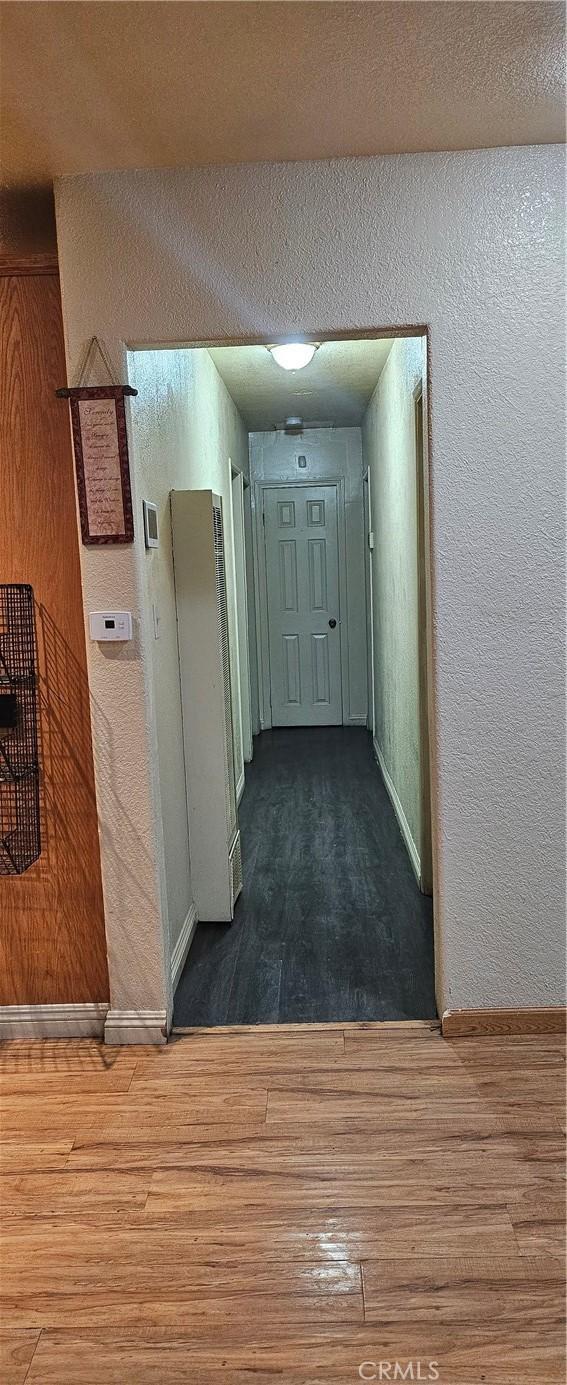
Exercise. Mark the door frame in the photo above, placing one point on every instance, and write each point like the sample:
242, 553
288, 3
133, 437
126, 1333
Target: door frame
238, 484
261, 584
423, 554
319, 335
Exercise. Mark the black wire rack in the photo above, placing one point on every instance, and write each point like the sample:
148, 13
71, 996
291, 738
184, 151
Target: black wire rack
20, 840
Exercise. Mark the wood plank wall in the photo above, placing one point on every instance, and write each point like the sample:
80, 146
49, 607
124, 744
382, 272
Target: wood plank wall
52, 940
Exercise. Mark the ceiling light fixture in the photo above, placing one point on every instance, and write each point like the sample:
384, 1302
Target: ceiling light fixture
293, 355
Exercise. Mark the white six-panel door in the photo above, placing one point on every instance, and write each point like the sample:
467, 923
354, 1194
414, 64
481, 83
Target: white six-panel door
302, 573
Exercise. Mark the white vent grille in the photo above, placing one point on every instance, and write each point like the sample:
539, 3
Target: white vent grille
222, 622
236, 869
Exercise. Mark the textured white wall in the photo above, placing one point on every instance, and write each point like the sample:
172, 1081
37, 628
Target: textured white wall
185, 432
160, 452
332, 454
471, 245
388, 443
217, 437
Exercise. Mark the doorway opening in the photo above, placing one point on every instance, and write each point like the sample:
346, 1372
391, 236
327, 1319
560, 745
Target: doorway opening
320, 476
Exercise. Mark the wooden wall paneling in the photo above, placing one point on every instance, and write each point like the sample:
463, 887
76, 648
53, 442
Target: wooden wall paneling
42, 263
52, 939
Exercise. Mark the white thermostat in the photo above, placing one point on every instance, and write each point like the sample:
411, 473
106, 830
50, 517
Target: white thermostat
110, 625
151, 531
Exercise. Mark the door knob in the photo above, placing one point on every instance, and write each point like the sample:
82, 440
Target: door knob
332, 624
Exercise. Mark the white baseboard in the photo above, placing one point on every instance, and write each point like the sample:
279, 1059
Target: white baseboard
240, 787
87, 1021
403, 823
179, 954
84, 1021
136, 1027
357, 720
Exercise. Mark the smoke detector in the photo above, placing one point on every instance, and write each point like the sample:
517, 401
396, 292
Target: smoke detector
293, 425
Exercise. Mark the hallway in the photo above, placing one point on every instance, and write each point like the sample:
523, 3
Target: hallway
330, 925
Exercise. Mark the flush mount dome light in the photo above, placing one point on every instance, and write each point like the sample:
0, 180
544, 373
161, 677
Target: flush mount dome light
293, 355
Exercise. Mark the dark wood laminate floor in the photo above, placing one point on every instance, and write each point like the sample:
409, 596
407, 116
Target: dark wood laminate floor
330, 924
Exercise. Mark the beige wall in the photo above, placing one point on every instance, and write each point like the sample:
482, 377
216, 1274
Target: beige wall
388, 441
217, 438
160, 451
471, 245
185, 433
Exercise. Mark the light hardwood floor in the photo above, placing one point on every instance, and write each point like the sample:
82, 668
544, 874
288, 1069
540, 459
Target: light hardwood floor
283, 1205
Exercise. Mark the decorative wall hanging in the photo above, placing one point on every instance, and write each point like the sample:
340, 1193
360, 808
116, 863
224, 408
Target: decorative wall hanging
20, 842
100, 442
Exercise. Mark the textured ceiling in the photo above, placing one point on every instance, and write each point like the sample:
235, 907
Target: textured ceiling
98, 86
333, 389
